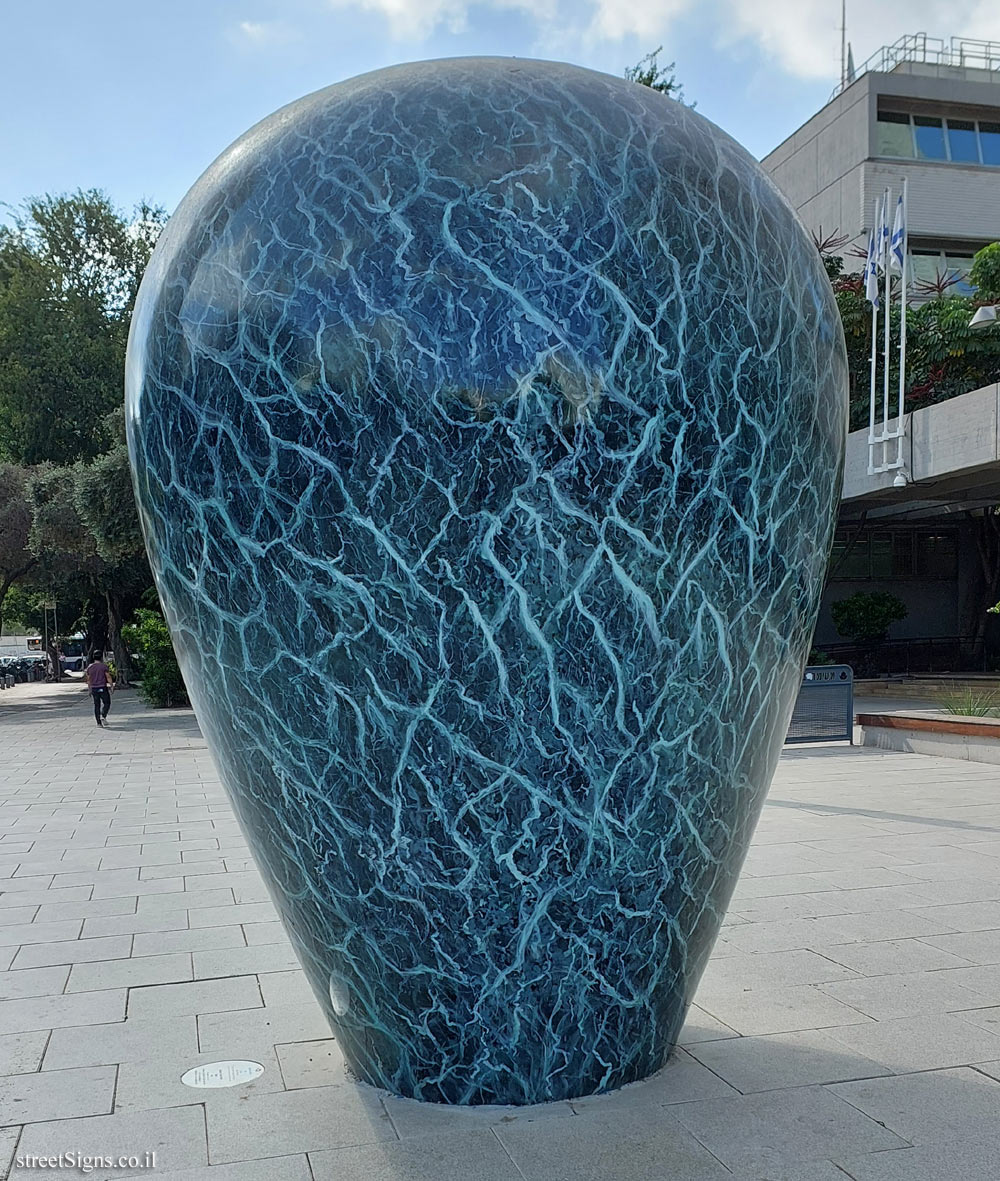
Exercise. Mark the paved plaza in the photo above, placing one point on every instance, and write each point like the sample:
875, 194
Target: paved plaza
848, 1024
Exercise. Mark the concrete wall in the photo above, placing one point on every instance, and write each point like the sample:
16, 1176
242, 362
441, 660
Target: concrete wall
829, 171
954, 438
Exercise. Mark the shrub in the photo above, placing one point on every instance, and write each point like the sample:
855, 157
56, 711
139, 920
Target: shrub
867, 616
162, 684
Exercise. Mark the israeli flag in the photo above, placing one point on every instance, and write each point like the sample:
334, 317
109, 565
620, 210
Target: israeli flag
898, 237
883, 231
871, 272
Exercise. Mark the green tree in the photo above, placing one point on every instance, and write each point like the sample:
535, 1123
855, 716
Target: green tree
985, 273
70, 268
162, 683
106, 506
648, 72
16, 558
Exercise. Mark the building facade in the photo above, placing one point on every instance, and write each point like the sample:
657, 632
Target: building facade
927, 111
922, 109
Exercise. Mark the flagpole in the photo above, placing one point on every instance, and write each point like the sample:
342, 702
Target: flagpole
902, 329
888, 317
871, 293
871, 403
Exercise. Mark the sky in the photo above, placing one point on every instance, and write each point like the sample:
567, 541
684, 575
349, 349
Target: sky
138, 99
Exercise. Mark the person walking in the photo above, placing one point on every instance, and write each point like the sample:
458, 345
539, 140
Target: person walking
100, 686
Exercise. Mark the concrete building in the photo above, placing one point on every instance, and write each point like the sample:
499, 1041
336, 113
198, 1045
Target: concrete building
935, 543
924, 109
928, 111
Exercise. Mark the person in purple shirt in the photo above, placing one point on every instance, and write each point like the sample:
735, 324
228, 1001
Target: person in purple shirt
98, 680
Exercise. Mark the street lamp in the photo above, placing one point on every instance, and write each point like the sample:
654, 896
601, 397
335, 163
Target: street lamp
984, 317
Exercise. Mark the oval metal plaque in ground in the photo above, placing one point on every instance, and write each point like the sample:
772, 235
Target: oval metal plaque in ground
222, 1074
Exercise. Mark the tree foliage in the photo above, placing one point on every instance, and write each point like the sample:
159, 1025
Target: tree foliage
866, 617
70, 268
16, 558
162, 683
648, 72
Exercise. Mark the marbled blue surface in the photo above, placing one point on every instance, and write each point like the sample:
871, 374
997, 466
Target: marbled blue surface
487, 421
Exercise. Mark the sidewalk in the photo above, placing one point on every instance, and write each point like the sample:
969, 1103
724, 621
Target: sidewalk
848, 1024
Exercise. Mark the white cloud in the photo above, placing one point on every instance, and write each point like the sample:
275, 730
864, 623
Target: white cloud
803, 36
261, 34
416, 19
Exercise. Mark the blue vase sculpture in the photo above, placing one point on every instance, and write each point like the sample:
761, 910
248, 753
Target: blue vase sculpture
487, 421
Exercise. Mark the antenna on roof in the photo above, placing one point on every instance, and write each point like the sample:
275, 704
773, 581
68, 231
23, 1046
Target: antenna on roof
843, 44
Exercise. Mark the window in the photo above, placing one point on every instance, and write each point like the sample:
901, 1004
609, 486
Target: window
855, 564
959, 265
937, 555
892, 554
928, 137
989, 142
895, 135
928, 134
962, 145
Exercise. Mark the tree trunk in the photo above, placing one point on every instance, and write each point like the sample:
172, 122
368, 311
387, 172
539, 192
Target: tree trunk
123, 664
54, 661
987, 534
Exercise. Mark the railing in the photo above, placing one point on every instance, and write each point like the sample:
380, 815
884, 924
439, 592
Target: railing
957, 52
941, 654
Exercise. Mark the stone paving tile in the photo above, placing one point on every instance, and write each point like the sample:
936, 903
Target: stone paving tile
56, 1012
56, 1094
413, 1119
684, 1079
969, 1160
219, 916
470, 1156
292, 1023
151, 1083
258, 934
779, 1127
625, 1146
135, 924
286, 988
21, 1053
275, 1168
176, 1135
312, 1064
288, 1122
198, 997
32, 982
798, 1059
205, 939
780, 1010
130, 973
8, 1143
236, 961
928, 1107
892, 957
125, 1041
887, 998
75, 951
932, 1041
20, 934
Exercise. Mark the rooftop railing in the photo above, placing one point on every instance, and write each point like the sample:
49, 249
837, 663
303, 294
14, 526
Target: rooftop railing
919, 49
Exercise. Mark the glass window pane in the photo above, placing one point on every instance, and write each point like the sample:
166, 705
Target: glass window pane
937, 555
962, 141
902, 555
929, 136
881, 566
855, 565
925, 265
895, 136
959, 265
989, 142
